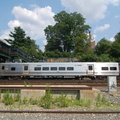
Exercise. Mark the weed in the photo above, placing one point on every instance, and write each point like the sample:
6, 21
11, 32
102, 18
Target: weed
7, 98
88, 103
101, 100
80, 102
25, 100
25, 84
63, 101
83, 102
17, 97
33, 102
46, 101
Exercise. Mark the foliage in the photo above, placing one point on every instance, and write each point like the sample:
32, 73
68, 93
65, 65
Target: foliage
91, 57
57, 54
105, 58
7, 98
17, 96
103, 47
24, 43
107, 51
62, 101
33, 101
46, 101
83, 102
82, 45
18, 37
25, 100
115, 51
101, 100
62, 36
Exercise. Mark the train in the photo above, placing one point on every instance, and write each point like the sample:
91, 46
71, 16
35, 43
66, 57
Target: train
59, 70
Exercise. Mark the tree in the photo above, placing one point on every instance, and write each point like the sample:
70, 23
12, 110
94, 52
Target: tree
89, 57
115, 51
24, 43
18, 37
62, 36
82, 45
103, 47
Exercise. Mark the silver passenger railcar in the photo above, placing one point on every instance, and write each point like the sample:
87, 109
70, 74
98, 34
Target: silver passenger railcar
56, 70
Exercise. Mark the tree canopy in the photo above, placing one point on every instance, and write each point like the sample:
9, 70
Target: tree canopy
65, 35
24, 43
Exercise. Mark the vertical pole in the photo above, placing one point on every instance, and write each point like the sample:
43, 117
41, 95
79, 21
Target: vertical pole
112, 84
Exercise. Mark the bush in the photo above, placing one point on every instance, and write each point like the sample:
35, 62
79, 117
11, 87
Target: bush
83, 102
25, 100
62, 101
101, 100
8, 99
33, 102
46, 101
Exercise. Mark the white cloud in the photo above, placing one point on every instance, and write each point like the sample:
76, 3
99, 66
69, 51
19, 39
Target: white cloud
33, 21
90, 9
5, 34
114, 2
112, 39
101, 28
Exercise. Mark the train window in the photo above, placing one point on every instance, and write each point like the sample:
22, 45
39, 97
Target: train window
113, 68
3, 67
37, 68
25, 67
70, 68
53, 68
104, 68
61, 68
45, 68
12, 68
90, 67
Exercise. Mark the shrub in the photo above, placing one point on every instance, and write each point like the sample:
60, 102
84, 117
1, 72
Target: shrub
101, 100
8, 99
46, 101
63, 101
33, 102
83, 102
25, 100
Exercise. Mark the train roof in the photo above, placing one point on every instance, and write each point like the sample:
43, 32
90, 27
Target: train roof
63, 63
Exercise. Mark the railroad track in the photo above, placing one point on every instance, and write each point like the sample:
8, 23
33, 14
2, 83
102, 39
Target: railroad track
52, 111
63, 112
56, 82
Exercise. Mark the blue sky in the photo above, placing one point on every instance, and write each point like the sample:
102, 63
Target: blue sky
35, 15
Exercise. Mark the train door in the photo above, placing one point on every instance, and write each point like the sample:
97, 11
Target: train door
25, 69
2, 68
90, 69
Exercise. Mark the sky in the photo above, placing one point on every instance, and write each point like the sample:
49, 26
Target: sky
33, 16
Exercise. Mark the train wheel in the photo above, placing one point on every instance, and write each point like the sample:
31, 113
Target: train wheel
14, 78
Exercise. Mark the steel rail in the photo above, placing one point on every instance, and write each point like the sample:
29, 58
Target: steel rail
47, 87
88, 84
100, 83
61, 112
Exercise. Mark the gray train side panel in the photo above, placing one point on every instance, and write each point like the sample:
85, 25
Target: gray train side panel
80, 69
75, 72
11, 70
98, 69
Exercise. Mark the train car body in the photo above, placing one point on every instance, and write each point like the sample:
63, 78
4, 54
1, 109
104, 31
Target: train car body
59, 70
